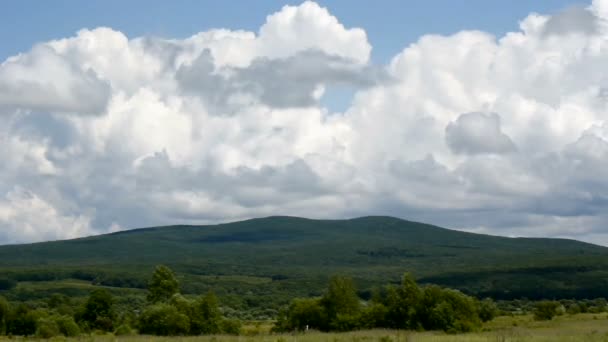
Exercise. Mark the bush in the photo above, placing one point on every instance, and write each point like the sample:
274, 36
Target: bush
205, 315
487, 310
47, 328
98, 311
545, 310
230, 326
124, 330
163, 320
4, 313
21, 321
301, 314
67, 326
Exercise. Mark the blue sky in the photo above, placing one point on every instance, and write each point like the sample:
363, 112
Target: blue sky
390, 25
148, 115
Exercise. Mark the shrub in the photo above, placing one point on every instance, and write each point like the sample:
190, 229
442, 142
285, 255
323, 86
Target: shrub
21, 321
205, 315
164, 320
123, 330
487, 310
47, 328
302, 313
545, 310
4, 313
230, 326
67, 326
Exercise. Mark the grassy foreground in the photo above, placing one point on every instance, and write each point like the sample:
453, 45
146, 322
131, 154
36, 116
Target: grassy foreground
581, 327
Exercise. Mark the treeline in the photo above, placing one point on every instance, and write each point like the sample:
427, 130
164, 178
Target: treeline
407, 306
165, 312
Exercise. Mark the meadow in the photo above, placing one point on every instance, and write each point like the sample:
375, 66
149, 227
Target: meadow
579, 327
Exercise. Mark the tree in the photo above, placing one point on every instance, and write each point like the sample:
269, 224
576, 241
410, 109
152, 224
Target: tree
98, 310
21, 321
163, 285
302, 313
164, 320
487, 310
341, 303
448, 310
4, 312
402, 304
206, 316
545, 310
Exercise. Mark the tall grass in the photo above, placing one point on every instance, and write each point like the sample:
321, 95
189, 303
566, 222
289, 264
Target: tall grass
581, 327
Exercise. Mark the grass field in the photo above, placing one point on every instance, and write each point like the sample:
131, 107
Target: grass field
581, 327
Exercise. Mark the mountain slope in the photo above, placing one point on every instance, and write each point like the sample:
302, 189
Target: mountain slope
287, 256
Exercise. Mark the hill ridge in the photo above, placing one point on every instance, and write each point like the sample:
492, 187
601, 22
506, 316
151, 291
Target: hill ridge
297, 255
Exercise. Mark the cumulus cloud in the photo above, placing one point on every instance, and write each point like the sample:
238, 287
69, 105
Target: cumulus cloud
502, 135
475, 133
24, 216
43, 80
292, 81
572, 20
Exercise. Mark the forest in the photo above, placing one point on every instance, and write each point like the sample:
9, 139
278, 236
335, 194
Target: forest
164, 311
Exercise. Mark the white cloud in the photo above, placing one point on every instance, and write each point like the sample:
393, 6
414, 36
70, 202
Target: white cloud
227, 125
45, 81
25, 217
475, 133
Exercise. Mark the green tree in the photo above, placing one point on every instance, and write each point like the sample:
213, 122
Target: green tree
545, 310
373, 316
163, 285
487, 310
21, 321
4, 312
98, 310
302, 313
403, 303
46, 328
205, 316
67, 326
448, 310
164, 320
341, 303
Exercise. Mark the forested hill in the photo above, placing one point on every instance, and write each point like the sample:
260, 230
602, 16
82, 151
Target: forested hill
282, 257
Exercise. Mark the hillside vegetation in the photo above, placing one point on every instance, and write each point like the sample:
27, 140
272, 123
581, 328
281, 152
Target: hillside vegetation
264, 263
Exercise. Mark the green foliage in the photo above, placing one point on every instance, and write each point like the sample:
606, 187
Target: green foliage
67, 326
301, 314
286, 257
373, 316
487, 310
163, 285
402, 304
21, 321
206, 316
407, 306
98, 311
230, 326
164, 320
546, 310
448, 310
124, 330
341, 303
4, 313
47, 328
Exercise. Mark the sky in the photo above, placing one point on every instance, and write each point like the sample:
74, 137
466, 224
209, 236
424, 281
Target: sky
481, 116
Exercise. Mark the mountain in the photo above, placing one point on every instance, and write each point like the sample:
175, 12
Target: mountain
258, 261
